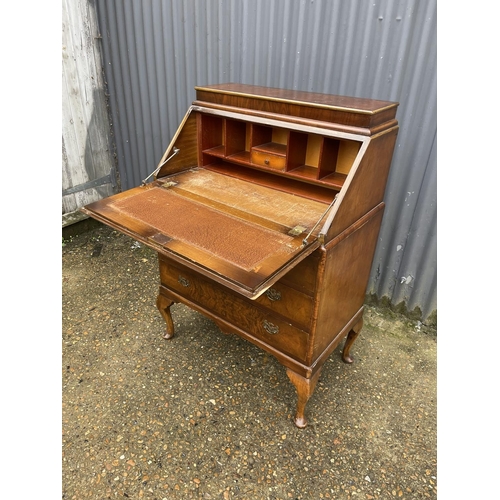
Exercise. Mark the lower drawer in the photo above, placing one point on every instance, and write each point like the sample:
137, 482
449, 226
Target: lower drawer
239, 311
304, 275
288, 302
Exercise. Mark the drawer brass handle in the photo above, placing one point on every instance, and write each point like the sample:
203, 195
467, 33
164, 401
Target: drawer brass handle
183, 281
270, 328
273, 294
266, 161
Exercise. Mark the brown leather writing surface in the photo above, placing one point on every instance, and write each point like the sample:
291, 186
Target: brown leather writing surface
243, 233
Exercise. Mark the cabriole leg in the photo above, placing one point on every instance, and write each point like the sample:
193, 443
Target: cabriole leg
305, 388
351, 337
163, 304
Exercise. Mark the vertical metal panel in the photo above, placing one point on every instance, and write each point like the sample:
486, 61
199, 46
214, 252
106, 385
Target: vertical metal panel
157, 51
405, 260
88, 167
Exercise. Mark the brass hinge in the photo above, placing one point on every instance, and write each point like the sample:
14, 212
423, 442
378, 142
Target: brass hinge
295, 231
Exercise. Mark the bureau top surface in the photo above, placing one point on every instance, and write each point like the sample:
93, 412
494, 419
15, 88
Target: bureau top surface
311, 99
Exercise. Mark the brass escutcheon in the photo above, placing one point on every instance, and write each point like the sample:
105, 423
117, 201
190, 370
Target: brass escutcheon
273, 294
183, 281
270, 328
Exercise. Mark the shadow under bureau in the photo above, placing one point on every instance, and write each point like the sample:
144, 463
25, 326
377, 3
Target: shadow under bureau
265, 211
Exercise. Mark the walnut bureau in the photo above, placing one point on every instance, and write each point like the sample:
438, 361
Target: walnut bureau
265, 211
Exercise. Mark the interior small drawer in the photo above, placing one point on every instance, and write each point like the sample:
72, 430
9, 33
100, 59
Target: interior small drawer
270, 156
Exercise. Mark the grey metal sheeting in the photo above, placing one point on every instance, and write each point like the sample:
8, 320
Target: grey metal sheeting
155, 52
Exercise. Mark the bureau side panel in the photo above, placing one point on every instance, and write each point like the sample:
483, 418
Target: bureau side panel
185, 140
367, 187
346, 272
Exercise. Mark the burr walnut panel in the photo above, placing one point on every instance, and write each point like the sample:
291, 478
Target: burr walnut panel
259, 322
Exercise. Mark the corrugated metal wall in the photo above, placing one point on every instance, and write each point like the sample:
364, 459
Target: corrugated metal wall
156, 51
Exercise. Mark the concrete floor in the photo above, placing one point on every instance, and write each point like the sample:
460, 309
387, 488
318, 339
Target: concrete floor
210, 416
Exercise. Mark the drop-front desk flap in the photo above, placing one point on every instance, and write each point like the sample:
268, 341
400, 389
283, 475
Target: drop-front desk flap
242, 235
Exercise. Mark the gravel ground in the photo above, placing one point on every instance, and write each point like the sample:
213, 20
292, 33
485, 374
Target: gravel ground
209, 416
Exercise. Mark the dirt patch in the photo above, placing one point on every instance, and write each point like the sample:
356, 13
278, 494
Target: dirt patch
205, 415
